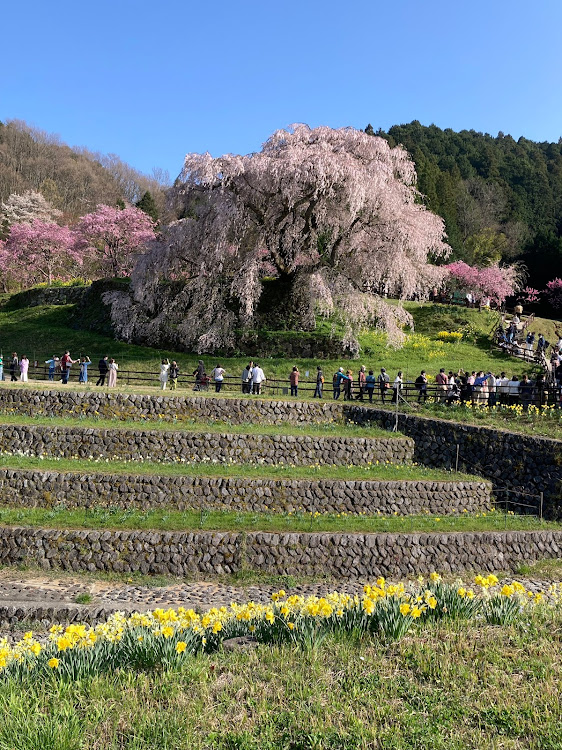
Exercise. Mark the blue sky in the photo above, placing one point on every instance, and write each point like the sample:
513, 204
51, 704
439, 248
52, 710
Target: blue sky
151, 81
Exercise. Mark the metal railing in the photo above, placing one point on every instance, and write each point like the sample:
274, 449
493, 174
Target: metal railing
506, 395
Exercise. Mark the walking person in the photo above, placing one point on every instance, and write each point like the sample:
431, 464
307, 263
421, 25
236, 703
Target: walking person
85, 362
421, 385
442, 385
247, 378
396, 387
294, 380
103, 367
24, 367
174, 374
258, 377
53, 362
336, 383
384, 383
113, 367
199, 374
362, 380
218, 374
348, 386
1, 368
14, 367
370, 382
319, 383
164, 373
66, 363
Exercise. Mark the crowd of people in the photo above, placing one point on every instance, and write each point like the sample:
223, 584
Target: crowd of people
59, 368
446, 387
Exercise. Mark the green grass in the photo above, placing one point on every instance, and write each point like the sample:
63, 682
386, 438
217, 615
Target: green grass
335, 429
448, 687
549, 425
42, 331
372, 472
544, 570
213, 520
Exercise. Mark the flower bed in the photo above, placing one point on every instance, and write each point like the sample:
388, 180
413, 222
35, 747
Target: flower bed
163, 638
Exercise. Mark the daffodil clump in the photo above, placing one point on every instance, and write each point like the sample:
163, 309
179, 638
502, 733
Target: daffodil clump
452, 336
164, 638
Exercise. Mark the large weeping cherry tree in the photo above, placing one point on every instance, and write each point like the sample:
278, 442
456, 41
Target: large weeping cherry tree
332, 215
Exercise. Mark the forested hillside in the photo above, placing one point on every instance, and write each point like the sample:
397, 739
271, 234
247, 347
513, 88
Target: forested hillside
73, 181
500, 198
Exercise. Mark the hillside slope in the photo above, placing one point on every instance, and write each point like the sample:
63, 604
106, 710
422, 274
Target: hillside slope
500, 198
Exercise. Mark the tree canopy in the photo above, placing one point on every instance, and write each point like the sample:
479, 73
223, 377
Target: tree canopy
333, 215
501, 199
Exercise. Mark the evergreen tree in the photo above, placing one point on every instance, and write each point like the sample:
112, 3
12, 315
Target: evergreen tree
148, 205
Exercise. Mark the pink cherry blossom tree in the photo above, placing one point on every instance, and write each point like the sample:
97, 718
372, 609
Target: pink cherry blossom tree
39, 251
113, 237
494, 282
333, 214
530, 295
553, 293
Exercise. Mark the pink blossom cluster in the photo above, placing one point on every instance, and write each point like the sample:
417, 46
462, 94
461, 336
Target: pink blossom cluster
553, 292
494, 282
103, 243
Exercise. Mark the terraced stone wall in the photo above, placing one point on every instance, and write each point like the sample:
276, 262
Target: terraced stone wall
522, 463
175, 445
167, 407
352, 556
46, 488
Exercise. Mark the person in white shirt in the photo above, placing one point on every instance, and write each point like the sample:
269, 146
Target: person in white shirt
164, 367
513, 390
501, 388
396, 387
450, 383
218, 376
258, 378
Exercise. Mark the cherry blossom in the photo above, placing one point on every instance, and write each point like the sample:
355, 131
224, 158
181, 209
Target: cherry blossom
114, 237
333, 214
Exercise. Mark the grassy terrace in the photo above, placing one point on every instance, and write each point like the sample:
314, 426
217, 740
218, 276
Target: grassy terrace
545, 424
168, 520
374, 471
43, 330
448, 686
335, 429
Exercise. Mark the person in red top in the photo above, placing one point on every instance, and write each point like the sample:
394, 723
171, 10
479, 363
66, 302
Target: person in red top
442, 385
294, 378
65, 364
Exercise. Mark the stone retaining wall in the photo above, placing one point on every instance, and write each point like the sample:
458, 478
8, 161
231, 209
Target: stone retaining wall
361, 556
167, 407
175, 445
31, 488
522, 463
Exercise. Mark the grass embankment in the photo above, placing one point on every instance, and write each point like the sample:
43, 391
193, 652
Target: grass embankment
328, 429
545, 423
449, 686
371, 472
43, 331
214, 520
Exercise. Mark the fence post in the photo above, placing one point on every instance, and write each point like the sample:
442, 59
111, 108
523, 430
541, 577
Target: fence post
457, 458
505, 511
541, 505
